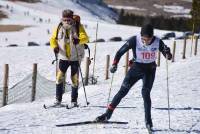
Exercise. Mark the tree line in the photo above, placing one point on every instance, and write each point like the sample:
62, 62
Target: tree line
159, 22
165, 23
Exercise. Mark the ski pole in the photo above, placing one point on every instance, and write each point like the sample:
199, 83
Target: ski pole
110, 89
95, 53
168, 90
81, 76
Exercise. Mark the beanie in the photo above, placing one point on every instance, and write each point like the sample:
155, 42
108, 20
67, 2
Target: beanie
67, 13
147, 30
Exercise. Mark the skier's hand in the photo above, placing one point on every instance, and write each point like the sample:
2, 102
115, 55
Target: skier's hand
56, 50
168, 53
169, 56
130, 63
76, 41
113, 69
85, 46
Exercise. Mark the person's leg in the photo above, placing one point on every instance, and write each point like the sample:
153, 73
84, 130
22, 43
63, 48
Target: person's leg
63, 65
133, 75
75, 81
148, 80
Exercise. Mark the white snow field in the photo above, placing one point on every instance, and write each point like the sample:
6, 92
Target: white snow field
32, 118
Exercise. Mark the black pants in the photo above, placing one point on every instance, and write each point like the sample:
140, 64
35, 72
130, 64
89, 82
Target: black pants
63, 66
138, 71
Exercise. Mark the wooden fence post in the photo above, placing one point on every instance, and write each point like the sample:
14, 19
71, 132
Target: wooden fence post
87, 70
184, 47
34, 79
5, 85
107, 66
126, 63
196, 42
158, 62
174, 51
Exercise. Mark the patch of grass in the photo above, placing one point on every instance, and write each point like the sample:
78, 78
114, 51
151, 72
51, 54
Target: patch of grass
12, 28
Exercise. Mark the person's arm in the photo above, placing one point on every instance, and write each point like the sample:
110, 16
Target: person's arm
121, 52
124, 49
165, 50
53, 41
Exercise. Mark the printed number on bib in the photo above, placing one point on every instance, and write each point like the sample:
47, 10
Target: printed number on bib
148, 55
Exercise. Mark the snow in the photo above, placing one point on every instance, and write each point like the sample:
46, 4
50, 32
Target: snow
23, 118
174, 9
127, 7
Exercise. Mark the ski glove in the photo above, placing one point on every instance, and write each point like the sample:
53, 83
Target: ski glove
76, 41
85, 46
113, 69
130, 63
167, 52
56, 50
169, 56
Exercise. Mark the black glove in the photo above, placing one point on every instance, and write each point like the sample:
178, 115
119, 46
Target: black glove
85, 46
56, 50
113, 69
167, 52
76, 41
169, 56
130, 63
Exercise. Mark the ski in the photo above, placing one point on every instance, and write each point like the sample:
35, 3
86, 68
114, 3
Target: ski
55, 106
90, 122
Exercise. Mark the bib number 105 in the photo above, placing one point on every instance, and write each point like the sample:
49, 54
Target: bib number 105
148, 55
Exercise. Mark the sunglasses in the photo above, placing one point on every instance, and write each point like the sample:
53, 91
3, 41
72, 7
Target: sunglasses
68, 20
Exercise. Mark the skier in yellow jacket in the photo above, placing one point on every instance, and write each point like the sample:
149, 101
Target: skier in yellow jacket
67, 42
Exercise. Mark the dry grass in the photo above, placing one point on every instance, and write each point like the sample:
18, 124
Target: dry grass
12, 28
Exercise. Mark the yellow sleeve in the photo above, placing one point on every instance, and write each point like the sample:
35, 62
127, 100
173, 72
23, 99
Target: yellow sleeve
53, 40
83, 37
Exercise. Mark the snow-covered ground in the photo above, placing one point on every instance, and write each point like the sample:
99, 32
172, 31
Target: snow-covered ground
31, 118
127, 7
179, 10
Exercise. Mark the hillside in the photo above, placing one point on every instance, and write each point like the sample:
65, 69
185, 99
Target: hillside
168, 8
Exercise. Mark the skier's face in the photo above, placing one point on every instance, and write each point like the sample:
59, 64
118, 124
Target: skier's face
67, 22
146, 40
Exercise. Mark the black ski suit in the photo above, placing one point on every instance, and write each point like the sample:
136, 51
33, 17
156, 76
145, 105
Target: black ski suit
144, 71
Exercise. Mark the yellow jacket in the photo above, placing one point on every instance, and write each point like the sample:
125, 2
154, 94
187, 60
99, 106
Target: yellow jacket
66, 48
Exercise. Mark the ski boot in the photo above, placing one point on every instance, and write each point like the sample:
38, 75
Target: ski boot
57, 102
104, 117
149, 124
73, 104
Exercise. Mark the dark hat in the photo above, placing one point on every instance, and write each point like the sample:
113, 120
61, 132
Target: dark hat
67, 13
147, 30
